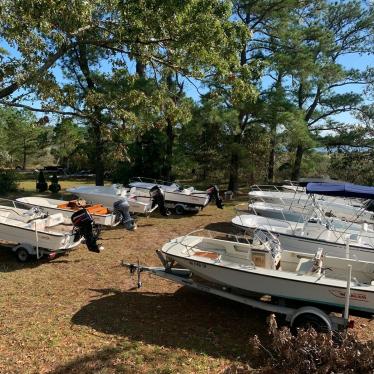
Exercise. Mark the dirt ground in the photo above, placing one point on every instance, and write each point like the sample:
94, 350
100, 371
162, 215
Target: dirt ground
82, 313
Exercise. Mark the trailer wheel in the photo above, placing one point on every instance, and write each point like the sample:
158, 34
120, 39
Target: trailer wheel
309, 320
179, 209
22, 254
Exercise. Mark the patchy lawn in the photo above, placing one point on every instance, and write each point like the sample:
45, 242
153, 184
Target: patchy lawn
81, 313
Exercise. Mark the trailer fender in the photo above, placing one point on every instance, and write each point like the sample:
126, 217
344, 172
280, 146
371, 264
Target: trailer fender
315, 316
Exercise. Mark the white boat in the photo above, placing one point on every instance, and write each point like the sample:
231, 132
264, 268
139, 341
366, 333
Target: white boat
265, 269
108, 195
309, 236
29, 228
331, 206
176, 197
100, 214
277, 211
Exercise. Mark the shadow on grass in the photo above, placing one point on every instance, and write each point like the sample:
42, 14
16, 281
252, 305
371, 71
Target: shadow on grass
186, 319
9, 262
91, 363
225, 227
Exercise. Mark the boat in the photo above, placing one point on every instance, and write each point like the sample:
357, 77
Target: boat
176, 197
331, 206
100, 214
277, 211
263, 268
30, 229
310, 235
108, 195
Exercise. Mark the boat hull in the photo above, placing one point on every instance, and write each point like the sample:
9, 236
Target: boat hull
42, 239
197, 199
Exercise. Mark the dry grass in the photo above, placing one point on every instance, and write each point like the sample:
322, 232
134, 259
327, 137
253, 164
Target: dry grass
80, 313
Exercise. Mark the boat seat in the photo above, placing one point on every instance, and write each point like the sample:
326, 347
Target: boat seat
63, 206
97, 209
304, 266
310, 266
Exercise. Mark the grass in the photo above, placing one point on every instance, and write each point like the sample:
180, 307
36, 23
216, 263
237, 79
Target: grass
80, 313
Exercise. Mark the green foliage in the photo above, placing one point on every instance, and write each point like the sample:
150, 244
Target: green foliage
21, 136
67, 144
146, 157
272, 69
8, 181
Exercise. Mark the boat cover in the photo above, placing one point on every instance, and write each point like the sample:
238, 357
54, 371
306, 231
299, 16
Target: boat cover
341, 189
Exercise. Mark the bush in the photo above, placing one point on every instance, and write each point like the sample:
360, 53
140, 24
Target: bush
310, 352
8, 181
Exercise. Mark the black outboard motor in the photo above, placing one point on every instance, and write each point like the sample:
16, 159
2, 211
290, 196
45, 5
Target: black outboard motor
213, 193
158, 198
121, 209
85, 226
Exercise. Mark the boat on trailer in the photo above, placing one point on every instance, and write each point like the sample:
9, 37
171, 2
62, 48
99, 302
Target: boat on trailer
233, 268
31, 232
100, 214
176, 197
263, 268
109, 195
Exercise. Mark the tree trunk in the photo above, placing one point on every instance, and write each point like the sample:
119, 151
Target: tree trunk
297, 164
169, 149
271, 162
168, 160
99, 152
235, 157
98, 122
24, 155
234, 172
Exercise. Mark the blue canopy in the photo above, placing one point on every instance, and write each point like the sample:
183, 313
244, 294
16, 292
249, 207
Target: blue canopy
341, 189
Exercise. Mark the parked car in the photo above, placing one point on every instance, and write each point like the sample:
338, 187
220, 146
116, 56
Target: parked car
59, 170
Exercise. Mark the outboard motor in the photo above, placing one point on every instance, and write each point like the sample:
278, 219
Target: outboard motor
121, 209
158, 198
213, 193
85, 226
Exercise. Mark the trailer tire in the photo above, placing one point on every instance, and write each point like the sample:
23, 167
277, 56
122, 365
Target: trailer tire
179, 209
22, 254
309, 320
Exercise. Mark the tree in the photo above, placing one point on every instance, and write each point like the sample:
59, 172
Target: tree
318, 39
67, 140
192, 38
241, 91
23, 135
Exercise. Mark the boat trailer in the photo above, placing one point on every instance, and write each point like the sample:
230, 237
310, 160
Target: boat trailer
305, 316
